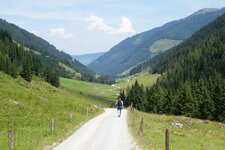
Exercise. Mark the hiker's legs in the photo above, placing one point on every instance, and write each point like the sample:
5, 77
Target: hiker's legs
118, 113
119, 109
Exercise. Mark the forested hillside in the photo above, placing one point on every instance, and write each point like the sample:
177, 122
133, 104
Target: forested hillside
51, 57
193, 77
15, 60
143, 46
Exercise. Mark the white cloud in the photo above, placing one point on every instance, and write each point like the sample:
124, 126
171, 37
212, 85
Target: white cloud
60, 32
96, 22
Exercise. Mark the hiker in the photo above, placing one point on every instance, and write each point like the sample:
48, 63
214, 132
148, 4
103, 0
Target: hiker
119, 105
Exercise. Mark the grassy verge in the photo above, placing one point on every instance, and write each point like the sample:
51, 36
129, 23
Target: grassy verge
195, 135
28, 108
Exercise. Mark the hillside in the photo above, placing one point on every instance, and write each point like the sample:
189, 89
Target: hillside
87, 58
49, 55
138, 48
193, 77
28, 108
145, 78
100, 91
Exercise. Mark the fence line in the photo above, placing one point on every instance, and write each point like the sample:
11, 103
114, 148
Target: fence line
52, 126
71, 117
167, 139
10, 139
87, 111
141, 128
11, 135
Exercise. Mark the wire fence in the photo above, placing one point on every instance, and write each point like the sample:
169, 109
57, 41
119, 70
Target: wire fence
142, 126
22, 135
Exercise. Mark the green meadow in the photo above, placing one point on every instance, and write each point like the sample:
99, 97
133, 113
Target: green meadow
196, 134
144, 78
100, 91
28, 108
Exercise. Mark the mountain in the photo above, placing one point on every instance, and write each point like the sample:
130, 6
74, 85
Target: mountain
143, 46
87, 58
49, 55
193, 77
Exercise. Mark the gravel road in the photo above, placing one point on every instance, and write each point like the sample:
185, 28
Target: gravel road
104, 132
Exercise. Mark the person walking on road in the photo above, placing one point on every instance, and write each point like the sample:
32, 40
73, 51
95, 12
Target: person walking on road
119, 105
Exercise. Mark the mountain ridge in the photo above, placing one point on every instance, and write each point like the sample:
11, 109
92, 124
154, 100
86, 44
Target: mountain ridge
135, 49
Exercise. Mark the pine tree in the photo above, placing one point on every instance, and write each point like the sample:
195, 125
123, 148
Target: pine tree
167, 105
206, 105
123, 98
55, 79
219, 98
52, 77
136, 96
27, 66
14, 70
158, 98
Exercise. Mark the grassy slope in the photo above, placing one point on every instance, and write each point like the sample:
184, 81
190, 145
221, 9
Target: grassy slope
74, 74
100, 91
28, 108
195, 135
163, 45
144, 78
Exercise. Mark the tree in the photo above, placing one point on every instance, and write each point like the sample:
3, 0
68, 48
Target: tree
136, 96
14, 70
123, 97
167, 105
27, 67
219, 98
52, 77
206, 105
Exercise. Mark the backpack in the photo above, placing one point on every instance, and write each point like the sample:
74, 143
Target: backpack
119, 103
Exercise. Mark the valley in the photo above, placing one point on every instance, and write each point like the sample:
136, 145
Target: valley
163, 71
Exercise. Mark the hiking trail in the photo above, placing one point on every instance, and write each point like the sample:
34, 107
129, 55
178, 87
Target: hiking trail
104, 132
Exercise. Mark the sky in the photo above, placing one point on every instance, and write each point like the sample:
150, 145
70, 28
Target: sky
90, 26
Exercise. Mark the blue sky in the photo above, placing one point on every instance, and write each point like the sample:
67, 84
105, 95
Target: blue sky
89, 26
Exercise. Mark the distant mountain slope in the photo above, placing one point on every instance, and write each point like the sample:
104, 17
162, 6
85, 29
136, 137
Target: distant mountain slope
51, 57
87, 58
136, 49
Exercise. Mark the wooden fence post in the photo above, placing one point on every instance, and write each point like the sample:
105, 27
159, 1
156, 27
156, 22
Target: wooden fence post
52, 126
134, 116
167, 139
141, 126
11, 139
71, 116
87, 111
